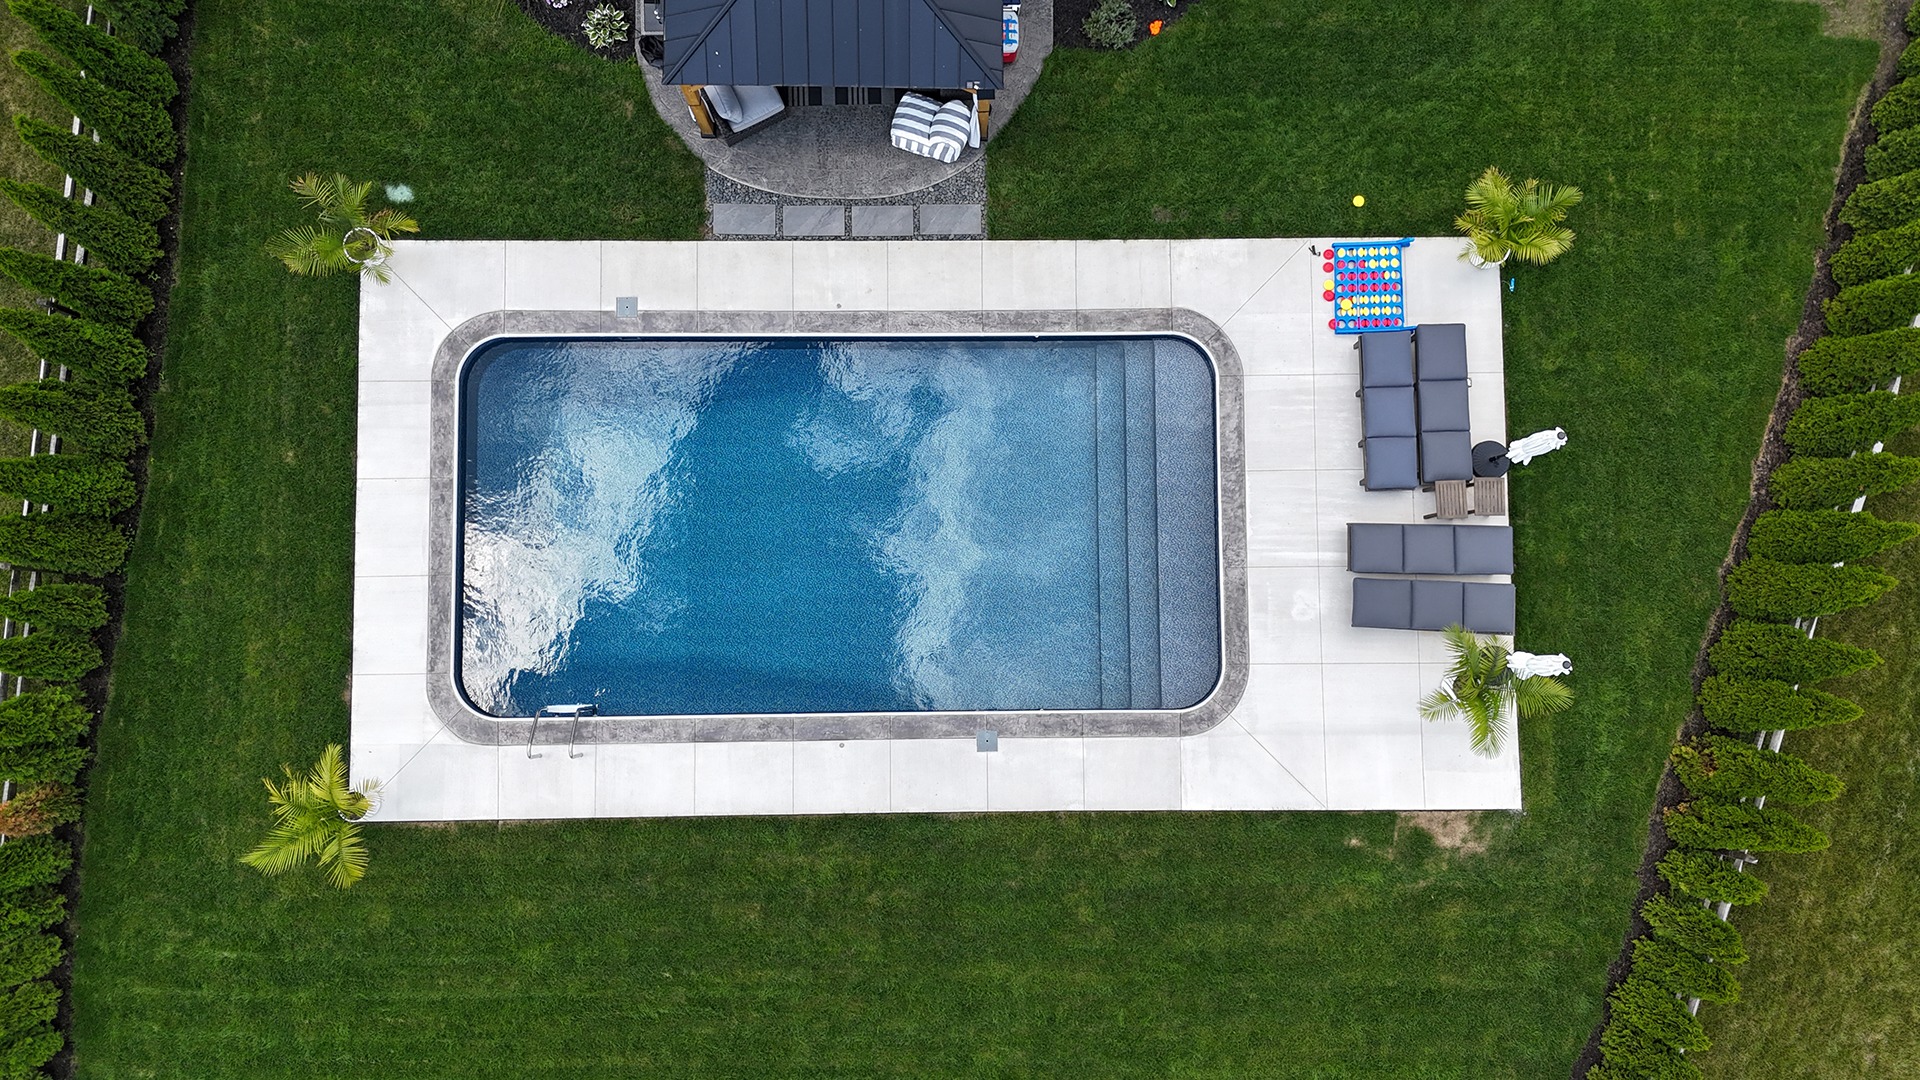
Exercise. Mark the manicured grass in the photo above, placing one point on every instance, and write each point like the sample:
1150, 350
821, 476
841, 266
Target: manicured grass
1326, 946
1830, 988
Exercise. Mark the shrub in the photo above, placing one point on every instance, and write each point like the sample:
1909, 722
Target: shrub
1713, 825
33, 861
1694, 928
604, 26
95, 419
141, 128
147, 23
43, 763
53, 655
1848, 423
1706, 876
1111, 24
112, 60
1870, 256
71, 604
1738, 703
1718, 767
1823, 536
26, 957
1764, 589
1838, 365
90, 291
109, 236
27, 1007
70, 483
37, 809
1894, 154
1887, 304
1644, 1004
1632, 1054
1809, 483
25, 1053
138, 189
1898, 108
34, 909
1777, 651
63, 544
1681, 971
53, 714
95, 350
1909, 61
1883, 204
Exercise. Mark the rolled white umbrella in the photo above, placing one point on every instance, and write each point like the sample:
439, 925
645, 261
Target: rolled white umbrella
1540, 442
1526, 665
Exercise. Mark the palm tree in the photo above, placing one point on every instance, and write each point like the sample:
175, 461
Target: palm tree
1479, 687
1503, 221
316, 819
348, 238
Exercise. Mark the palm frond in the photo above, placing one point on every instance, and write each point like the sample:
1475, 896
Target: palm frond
1520, 221
1542, 695
311, 813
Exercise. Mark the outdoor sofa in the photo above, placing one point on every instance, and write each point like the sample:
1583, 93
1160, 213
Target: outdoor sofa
740, 111
1375, 548
1409, 604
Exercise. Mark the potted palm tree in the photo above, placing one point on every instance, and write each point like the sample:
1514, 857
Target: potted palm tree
316, 819
348, 239
1480, 689
1504, 220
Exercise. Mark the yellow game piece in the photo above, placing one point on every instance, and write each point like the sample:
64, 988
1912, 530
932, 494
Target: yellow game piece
1359, 200
1329, 284
1345, 304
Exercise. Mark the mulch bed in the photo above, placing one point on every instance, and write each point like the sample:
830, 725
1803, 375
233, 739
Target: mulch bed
1068, 15
565, 21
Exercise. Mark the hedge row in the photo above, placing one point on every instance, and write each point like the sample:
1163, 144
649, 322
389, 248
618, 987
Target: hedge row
1896, 153
1898, 109
1812, 483
1715, 766
1819, 536
1850, 423
1883, 204
1879, 254
1764, 589
1717, 825
1886, 304
1706, 876
1683, 972
1779, 651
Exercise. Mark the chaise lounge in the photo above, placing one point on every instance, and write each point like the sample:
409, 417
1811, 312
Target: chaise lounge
1408, 604
1389, 413
1429, 549
740, 111
1440, 381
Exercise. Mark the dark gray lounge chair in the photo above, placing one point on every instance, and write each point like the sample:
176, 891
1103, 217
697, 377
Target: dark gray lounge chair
1440, 382
1389, 414
1406, 604
1374, 548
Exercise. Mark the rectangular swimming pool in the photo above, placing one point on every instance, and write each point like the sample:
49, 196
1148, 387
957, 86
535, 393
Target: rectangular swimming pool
668, 527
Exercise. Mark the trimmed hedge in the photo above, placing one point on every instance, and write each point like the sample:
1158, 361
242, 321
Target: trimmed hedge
109, 236
124, 66
1840, 365
53, 655
70, 483
1813, 483
32, 909
62, 544
1883, 204
1690, 926
26, 957
1894, 154
137, 188
1738, 703
72, 605
1765, 589
1646, 1005
1850, 423
28, 1052
1820, 536
1899, 108
1632, 1054
52, 714
141, 128
94, 419
33, 860
92, 292
1777, 651
96, 350
147, 23
1706, 876
1887, 304
43, 763
1718, 767
1714, 825
1683, 972
1870, 256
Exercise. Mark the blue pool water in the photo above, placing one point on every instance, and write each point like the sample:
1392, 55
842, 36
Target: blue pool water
697, 526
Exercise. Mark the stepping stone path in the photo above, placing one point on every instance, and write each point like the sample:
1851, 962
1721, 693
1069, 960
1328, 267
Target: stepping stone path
828, 221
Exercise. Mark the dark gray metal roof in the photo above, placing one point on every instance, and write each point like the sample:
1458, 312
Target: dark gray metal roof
936, 44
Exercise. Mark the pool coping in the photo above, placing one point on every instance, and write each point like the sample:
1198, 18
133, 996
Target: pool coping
450, 707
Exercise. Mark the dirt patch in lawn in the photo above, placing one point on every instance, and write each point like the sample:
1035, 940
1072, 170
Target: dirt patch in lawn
1452, 830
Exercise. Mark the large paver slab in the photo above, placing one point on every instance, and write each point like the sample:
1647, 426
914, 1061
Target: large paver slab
745, 219
950, 219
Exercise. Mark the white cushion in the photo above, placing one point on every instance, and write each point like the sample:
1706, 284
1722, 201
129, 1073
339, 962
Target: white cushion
725, 102
950, 130
912, 128
757, 103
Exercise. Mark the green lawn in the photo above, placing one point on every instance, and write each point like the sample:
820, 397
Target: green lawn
1299, 946
1831, 987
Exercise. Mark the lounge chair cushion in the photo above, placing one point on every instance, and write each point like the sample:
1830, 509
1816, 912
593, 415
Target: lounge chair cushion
1483, 549
1388, 411
1440, 350
1386, 359
1374, 548
1437, 604
1443, 405
757, 103
1429, 550
1488, 607
1383, 603
1445, 455
725, 102
1392, 464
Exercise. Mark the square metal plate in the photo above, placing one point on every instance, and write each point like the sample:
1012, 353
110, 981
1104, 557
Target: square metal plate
986, 742
627, 307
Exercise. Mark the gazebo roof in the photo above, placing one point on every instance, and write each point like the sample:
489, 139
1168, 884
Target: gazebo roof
934, 44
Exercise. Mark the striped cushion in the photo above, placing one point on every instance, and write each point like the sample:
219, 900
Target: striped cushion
950, 130
913, 124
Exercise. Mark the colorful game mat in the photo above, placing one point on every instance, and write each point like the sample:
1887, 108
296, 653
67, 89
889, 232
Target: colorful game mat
1365, 283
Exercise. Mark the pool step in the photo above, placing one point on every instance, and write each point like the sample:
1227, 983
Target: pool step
1143, 528
1110, 495
1189, 598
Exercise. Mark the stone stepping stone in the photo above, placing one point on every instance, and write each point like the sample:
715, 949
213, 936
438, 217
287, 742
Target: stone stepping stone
883, 221
813, 221
744, 219
950, 219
